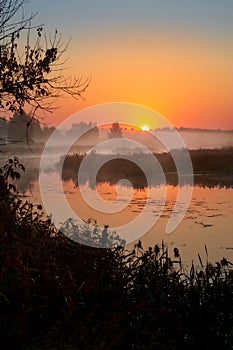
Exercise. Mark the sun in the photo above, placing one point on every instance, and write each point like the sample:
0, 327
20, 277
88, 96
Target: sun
145, 128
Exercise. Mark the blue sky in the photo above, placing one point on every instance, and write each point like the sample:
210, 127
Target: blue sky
207, 17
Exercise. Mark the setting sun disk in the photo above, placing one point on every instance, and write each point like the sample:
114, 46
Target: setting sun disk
145, 128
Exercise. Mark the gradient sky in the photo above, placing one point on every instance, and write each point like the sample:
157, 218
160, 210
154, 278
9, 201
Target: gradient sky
175, 56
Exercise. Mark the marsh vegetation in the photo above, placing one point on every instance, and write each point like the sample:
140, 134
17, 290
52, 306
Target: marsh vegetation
211, 167
58, 294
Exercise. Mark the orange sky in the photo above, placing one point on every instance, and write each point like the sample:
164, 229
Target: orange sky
179, 63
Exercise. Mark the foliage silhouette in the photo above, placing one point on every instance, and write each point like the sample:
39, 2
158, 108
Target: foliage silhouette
115, 131
58, 294
31, 70
89, 233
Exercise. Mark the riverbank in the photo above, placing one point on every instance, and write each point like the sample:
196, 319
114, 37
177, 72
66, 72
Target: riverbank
57, 294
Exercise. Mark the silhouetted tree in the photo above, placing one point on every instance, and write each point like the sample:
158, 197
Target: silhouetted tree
115, 131
30, 77
17, 130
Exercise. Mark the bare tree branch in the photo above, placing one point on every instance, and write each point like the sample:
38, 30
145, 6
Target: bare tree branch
34, 77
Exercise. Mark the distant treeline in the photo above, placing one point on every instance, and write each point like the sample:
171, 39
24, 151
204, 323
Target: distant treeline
210, 167
203, 130
23, 129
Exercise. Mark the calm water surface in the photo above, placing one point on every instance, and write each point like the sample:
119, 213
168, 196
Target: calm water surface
208, 221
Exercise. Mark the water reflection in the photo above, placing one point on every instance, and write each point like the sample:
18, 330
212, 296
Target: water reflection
208, 221
206, 173
212, 168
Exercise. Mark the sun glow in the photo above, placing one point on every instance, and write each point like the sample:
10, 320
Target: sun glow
145, 128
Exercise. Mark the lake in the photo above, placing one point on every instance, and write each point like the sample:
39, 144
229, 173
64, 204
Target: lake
208, 221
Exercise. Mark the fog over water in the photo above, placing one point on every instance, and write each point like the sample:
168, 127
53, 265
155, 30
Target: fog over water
208, 220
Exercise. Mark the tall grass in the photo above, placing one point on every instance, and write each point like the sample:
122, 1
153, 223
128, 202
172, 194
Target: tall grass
211, 167
58, 294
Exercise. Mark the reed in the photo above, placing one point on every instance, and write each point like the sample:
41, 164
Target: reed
210, 167
58, 294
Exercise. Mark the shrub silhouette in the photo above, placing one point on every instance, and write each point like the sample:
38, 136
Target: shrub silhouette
58, 294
